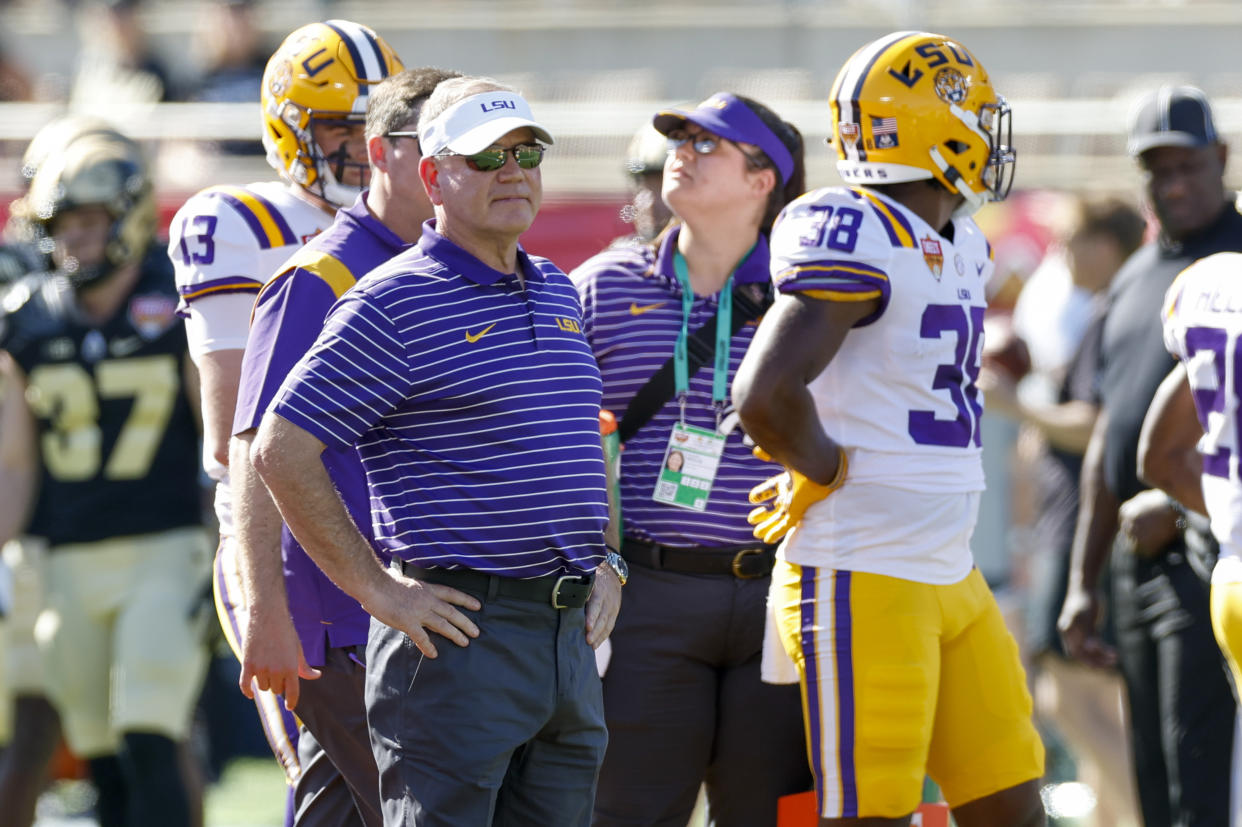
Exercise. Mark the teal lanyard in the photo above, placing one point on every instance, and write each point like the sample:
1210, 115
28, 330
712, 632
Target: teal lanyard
724, 329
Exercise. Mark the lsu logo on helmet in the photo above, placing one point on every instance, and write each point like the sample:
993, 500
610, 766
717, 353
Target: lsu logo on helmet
323, 72
913, 106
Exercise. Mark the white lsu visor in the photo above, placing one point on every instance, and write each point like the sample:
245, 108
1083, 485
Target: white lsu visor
474, 124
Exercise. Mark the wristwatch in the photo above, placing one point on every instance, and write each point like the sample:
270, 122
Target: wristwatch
618, 565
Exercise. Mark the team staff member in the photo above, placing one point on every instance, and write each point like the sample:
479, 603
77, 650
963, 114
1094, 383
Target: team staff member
860, 381
691, 634
226, 242
99, 418
1181, 709
327, 625
460, 370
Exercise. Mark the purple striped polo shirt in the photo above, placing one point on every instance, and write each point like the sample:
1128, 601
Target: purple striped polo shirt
631, 309
474, 404
287, 319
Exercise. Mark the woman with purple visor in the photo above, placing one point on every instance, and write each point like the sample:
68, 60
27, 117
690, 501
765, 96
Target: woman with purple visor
669, 323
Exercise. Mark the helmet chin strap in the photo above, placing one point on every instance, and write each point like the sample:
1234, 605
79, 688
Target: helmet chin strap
331, 170
974, 200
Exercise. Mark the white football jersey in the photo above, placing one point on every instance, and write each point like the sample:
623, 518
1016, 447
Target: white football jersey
900, 394
225, 243
1203, 328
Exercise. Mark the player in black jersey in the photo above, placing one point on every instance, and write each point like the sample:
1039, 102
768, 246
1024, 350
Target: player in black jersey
99, 459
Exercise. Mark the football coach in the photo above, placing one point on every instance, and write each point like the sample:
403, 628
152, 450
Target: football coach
460, 371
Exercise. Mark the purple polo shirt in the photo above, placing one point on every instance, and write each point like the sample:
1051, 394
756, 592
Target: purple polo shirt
474, 402
631, 311
288, 316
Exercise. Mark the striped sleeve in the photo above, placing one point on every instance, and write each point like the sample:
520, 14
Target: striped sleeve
836, 245
214, 250
356, 373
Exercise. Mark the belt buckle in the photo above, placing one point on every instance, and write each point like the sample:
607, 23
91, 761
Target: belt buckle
556, 589
738, 572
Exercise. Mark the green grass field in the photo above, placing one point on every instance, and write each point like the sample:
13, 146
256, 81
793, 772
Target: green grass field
250, 793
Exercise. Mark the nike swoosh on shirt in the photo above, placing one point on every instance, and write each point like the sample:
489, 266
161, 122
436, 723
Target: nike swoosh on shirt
637, 310
472, 338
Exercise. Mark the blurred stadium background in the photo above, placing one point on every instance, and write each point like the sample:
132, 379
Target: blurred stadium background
597, 69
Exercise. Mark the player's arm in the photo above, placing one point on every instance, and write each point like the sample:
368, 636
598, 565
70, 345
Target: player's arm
193, 391
796, 340
1093, 539
19, 460
1168, 453
287, 459
215, 255
219, 373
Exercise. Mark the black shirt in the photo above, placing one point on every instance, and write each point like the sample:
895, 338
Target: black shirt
118, 443
1133, 359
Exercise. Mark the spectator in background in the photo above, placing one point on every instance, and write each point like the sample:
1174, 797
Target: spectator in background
682, 694
1181, 708
1061, 310
15, 83
644, 167
117, 66
234, 55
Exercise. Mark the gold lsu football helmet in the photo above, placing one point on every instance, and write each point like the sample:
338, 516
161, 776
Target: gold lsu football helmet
915, 105
321, 72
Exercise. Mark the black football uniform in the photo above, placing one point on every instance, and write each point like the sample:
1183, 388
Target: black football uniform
117, 439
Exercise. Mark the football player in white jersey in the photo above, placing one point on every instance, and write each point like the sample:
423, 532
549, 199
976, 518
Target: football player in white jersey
1192, 435
225, 242
861, 382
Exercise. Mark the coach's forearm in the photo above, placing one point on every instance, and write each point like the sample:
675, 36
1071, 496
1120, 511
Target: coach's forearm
287, 459
258, 524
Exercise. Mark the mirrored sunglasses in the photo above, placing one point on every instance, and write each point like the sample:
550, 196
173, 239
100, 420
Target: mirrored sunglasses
528, 156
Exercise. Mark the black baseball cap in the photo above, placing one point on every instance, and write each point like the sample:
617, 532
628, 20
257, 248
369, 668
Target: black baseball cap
1172, 116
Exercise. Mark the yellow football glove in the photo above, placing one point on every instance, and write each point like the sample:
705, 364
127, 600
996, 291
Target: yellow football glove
791, 494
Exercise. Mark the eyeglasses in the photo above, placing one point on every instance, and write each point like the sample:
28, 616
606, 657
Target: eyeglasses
704, 143
413, 135
528, 156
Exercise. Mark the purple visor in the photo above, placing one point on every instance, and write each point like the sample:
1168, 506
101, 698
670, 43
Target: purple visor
727, 116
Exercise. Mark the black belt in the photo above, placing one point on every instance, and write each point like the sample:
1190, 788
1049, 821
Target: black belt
568, 591
743, 562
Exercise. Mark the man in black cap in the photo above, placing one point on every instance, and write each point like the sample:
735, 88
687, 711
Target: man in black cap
1181, 709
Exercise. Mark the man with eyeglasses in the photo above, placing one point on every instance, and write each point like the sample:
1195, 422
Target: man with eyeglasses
306, 639
460, 371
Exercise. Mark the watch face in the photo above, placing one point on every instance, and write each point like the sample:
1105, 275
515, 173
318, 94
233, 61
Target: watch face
619, 566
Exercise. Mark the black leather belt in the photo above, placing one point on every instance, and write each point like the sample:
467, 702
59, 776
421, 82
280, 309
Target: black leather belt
743, 562
568, 591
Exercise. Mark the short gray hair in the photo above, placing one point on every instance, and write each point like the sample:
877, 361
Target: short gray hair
397, 101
